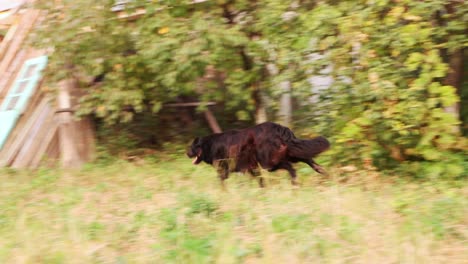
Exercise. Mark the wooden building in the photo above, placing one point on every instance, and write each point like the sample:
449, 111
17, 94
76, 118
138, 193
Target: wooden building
36, 128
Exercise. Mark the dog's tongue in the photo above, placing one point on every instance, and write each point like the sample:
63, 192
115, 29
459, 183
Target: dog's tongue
194, 161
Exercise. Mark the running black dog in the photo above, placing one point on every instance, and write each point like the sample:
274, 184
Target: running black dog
271, 145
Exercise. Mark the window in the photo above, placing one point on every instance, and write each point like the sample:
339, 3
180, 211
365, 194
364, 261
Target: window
18, 96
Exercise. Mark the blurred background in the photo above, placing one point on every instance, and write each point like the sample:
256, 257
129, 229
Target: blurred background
386, 81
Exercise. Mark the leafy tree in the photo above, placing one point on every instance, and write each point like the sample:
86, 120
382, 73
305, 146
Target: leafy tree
390, 60
392, 65
213, 50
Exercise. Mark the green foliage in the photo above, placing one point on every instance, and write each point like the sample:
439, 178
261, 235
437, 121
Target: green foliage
389, 61
388, 100
212, 51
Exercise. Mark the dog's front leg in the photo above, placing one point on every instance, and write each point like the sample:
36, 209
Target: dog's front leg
222, 168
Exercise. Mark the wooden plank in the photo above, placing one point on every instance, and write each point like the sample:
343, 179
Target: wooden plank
10, 75
15, 44
45, 143
6, 68
9, 119
8, 156
23, 119
19, 95
8, 38
52, 153
34, 151
27, 23
17, 137
35, 135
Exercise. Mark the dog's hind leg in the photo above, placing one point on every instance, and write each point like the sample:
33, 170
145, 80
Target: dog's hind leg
314, 165
287, 166
256, 173
292, 172
317, 168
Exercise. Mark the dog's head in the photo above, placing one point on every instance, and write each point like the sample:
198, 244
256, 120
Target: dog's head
195, 151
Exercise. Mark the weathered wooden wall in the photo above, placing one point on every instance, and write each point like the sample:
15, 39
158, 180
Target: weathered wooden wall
44, 134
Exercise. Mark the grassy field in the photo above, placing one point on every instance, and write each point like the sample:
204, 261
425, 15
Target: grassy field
165, 210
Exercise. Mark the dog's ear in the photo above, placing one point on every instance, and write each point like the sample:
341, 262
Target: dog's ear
196, 141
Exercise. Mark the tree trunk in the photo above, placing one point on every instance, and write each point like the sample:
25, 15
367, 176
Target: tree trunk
260, 111
285, 111
454, 78
455, 61
210, 118
260, 115
76, 137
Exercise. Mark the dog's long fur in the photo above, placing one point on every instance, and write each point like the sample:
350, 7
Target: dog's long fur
269, 145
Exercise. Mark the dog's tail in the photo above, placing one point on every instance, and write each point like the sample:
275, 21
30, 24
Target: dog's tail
306, 149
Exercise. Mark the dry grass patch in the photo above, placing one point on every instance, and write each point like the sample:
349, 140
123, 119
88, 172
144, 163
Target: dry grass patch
173, 212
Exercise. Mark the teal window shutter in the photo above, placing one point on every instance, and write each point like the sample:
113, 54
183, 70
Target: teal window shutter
19, 94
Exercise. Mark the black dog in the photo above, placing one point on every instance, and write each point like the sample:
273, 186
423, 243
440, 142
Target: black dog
271, 145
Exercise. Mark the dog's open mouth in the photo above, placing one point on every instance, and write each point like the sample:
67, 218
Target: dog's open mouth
196, 160
195, 155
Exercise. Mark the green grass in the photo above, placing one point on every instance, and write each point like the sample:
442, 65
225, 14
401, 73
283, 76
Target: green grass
165, 210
